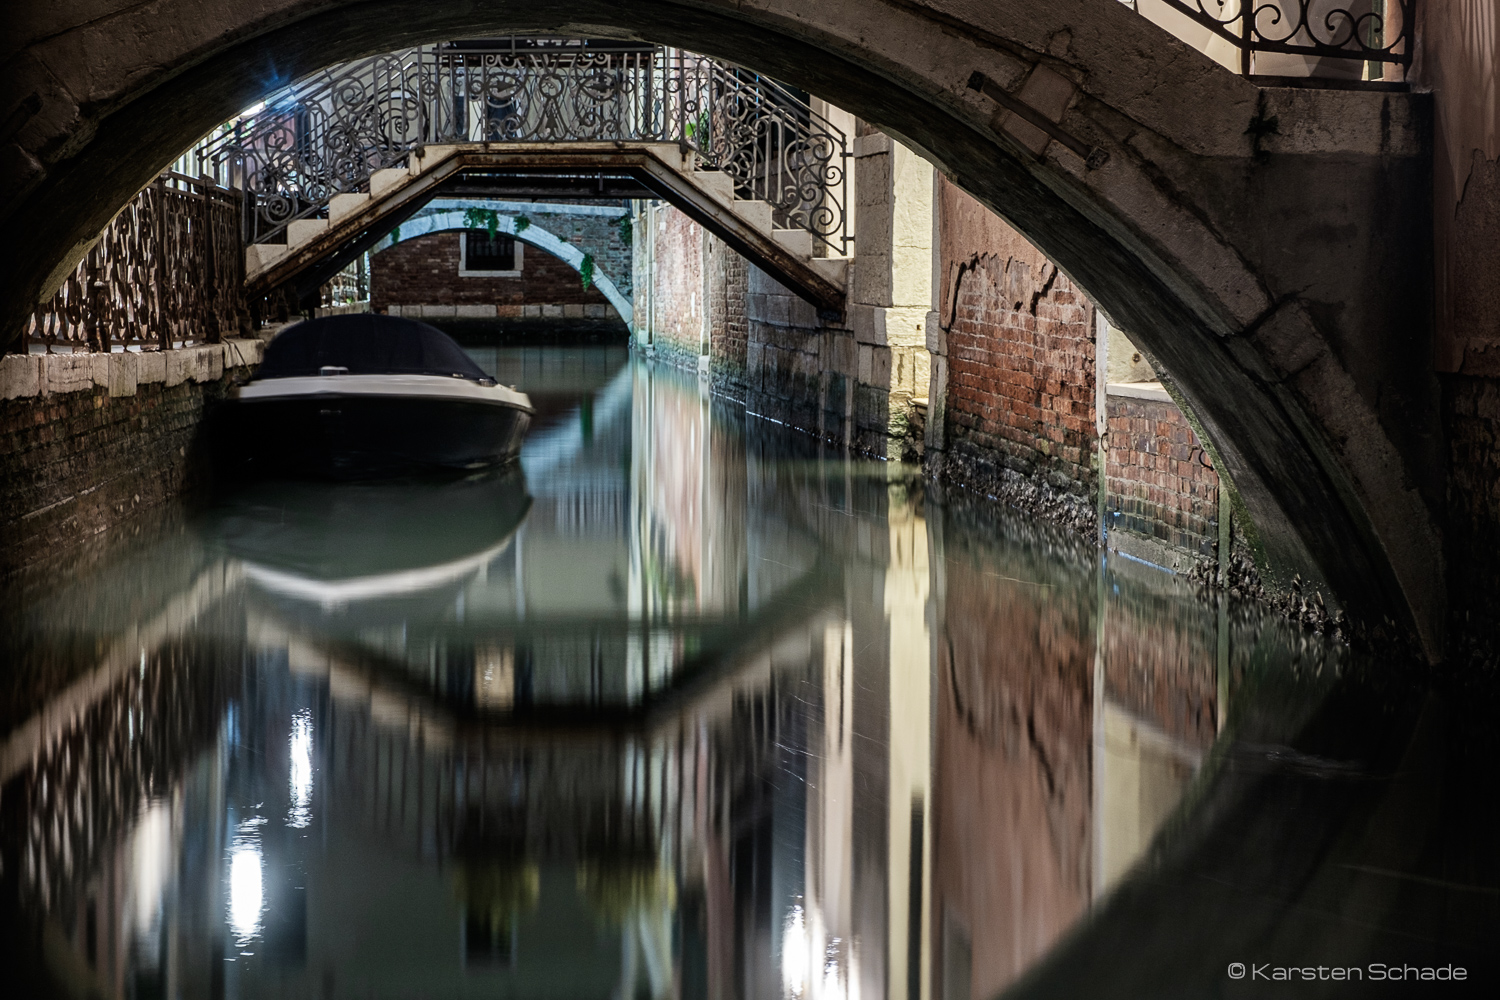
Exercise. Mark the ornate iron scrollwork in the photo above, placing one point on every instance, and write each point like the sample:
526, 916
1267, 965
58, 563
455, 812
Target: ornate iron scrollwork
165, 272
1374, 31
327, 134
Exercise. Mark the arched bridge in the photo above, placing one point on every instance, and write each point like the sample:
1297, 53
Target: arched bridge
1267, 246
331, 162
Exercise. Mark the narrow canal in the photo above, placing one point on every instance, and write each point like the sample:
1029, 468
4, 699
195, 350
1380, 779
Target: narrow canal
690, 706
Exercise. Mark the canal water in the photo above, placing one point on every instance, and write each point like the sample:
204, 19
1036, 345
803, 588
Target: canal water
687, 706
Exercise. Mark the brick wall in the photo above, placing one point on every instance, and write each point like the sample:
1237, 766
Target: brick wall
596, 235
726, 286
86, 441
669, 304
1020, 375
1162, 483
424, 270
1018, 403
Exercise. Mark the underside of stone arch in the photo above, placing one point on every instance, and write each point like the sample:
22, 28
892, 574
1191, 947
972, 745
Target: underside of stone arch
1277, 273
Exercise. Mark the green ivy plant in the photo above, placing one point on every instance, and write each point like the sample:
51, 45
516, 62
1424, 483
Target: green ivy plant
482, 218
697, 130
522, 224
586, 270
627, 233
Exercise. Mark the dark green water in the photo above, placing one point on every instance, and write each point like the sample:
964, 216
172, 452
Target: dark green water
690, 706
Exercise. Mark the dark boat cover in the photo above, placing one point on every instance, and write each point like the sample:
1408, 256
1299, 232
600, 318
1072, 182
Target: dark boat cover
366, 344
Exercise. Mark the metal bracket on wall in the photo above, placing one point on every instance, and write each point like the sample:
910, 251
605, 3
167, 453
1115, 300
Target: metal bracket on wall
1093, 156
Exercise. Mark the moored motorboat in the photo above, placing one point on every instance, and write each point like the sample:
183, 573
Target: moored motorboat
372, 394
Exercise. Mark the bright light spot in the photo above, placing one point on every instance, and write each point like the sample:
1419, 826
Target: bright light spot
246, 892
833, 982
152, 857
300, 779
253, 109
794, 953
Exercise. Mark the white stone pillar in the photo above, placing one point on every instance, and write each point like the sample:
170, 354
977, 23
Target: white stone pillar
890, 290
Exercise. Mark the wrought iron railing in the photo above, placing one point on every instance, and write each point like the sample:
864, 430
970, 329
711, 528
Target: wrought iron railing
1341, 38
165, 272
327, 134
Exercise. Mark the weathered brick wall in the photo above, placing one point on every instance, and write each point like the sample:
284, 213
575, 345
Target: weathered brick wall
1161, 481
596, 235
1017, 415
727, 288
83, 448
1020, 376
424, 270
672, 308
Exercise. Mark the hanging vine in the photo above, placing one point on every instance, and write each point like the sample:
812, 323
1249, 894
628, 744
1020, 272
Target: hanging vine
483, 218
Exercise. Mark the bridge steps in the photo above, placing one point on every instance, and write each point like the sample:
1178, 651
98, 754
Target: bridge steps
790, 254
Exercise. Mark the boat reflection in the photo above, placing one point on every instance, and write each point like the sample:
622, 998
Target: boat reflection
333, 545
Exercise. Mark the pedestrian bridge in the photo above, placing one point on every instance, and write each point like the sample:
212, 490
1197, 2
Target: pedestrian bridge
1267, 246
330, 163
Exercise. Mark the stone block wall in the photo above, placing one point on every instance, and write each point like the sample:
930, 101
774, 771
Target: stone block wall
1161, 480
424, 272
787, 370
88, 440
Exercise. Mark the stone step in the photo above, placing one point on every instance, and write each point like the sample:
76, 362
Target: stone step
757, 213
716, 183
342, 206
261, 257
429, 157
383, 182
798, 241
668, 153
835, 269
304, 231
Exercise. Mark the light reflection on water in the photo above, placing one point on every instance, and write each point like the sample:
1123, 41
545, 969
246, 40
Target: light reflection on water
684, 707
246, 883
300, 780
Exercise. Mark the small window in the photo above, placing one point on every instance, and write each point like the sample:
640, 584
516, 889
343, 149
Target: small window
482, 257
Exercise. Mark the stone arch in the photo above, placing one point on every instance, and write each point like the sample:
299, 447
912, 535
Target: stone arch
1266, 248
533, 235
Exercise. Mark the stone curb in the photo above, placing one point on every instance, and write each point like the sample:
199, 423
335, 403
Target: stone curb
23, 376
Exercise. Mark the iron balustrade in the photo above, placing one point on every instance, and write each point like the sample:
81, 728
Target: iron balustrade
165, 272
1349, 32
326, 134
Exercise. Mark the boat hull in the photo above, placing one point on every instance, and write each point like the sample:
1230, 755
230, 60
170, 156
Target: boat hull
359, 435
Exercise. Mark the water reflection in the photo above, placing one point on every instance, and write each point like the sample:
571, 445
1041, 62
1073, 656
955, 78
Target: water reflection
684, 707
